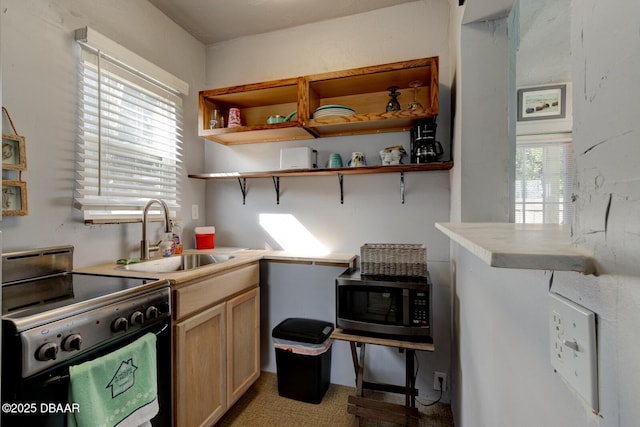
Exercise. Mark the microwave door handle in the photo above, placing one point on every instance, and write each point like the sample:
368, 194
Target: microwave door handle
405, 307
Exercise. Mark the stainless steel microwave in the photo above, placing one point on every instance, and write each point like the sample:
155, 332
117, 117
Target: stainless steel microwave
394, 307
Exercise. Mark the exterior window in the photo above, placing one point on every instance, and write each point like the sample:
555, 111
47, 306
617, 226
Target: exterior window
129, 146
543, 179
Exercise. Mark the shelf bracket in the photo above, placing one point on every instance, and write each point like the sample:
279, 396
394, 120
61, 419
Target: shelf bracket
276, 184
243, 188
341, 180
402, 187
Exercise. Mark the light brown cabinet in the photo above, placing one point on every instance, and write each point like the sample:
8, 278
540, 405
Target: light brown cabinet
200, 368
363, 89
243, 343
216, 344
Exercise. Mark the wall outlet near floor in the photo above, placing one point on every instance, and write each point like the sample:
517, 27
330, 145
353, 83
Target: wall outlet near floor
436, 381
573, 346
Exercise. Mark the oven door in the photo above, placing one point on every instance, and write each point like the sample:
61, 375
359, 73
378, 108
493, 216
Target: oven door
34, 401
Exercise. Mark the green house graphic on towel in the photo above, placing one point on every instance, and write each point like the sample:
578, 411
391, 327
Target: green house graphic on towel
123, 379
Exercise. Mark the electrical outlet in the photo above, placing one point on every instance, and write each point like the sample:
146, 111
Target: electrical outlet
195, 214
573, 346
436, 380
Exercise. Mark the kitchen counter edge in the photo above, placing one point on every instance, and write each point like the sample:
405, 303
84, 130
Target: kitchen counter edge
240, 257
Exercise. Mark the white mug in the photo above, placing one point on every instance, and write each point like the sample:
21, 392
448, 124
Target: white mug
357, 159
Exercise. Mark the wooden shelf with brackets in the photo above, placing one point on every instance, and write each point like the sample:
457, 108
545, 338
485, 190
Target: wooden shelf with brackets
365, 90
339, 172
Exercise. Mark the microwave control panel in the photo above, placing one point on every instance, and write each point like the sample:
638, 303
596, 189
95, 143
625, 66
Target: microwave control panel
419, 308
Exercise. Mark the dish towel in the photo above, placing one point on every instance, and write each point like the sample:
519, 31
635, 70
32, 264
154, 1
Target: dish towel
118, 389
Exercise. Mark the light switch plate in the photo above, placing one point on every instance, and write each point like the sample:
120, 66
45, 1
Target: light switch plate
573, 346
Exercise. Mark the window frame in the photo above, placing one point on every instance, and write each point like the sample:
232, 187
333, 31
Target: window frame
545, 141
143, 135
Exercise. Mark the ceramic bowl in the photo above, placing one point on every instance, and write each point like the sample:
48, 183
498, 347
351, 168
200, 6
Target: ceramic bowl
275, 119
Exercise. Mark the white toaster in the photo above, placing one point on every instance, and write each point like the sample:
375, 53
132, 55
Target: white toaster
298, 158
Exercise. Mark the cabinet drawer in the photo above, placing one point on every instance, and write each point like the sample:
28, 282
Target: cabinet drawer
199, 295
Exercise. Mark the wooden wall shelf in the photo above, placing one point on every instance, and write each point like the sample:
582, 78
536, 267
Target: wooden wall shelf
325, 172
363, 89
339, 172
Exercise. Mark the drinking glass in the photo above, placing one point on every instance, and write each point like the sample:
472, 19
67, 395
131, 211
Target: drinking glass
215, 120
415, 105
393, 104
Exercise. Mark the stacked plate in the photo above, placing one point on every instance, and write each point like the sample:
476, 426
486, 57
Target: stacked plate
333, 110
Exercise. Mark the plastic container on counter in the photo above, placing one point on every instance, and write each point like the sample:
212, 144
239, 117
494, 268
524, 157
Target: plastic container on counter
205, 237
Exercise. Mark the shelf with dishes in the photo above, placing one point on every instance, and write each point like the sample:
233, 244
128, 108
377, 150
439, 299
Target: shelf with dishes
347, 102
339, 172
368, 91
255, 104
365, 123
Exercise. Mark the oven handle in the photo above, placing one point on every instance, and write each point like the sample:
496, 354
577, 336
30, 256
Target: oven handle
59, 378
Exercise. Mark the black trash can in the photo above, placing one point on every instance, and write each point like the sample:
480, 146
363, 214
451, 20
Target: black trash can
303, 358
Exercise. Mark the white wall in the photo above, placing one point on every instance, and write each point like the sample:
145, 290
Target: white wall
372, 208
372, 211
505, 377
39, 82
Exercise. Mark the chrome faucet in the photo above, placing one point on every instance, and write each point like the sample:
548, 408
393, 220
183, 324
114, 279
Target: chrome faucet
145, 248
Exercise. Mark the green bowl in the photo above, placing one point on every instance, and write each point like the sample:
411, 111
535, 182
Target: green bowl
275, 119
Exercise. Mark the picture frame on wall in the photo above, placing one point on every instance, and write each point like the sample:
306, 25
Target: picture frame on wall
542, 103
14, 198
14, 155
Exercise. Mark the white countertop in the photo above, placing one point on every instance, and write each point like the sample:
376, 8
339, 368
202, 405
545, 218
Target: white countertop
529, 246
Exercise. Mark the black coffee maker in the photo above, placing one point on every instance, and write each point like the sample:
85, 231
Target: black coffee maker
424, 147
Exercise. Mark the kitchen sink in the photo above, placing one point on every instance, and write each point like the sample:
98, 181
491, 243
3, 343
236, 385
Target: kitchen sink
175, 263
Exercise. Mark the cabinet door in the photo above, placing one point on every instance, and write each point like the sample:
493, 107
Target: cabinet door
200, 368
243, 343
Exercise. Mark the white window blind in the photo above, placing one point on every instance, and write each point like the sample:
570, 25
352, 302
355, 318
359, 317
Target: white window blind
544, 179
130, 139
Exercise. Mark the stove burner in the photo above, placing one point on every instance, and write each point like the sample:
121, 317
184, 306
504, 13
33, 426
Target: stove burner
38, 292
32, 297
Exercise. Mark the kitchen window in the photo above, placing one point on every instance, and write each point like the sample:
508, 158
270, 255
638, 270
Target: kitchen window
543, 179
129, 146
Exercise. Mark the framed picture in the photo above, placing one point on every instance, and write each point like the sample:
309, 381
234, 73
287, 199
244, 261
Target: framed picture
14, 154
542, 103
14, 198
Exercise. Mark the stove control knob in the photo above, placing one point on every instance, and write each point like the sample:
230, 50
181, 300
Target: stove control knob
152, 313
47, 351
136, 318
72, 342
121, 324
164, 307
